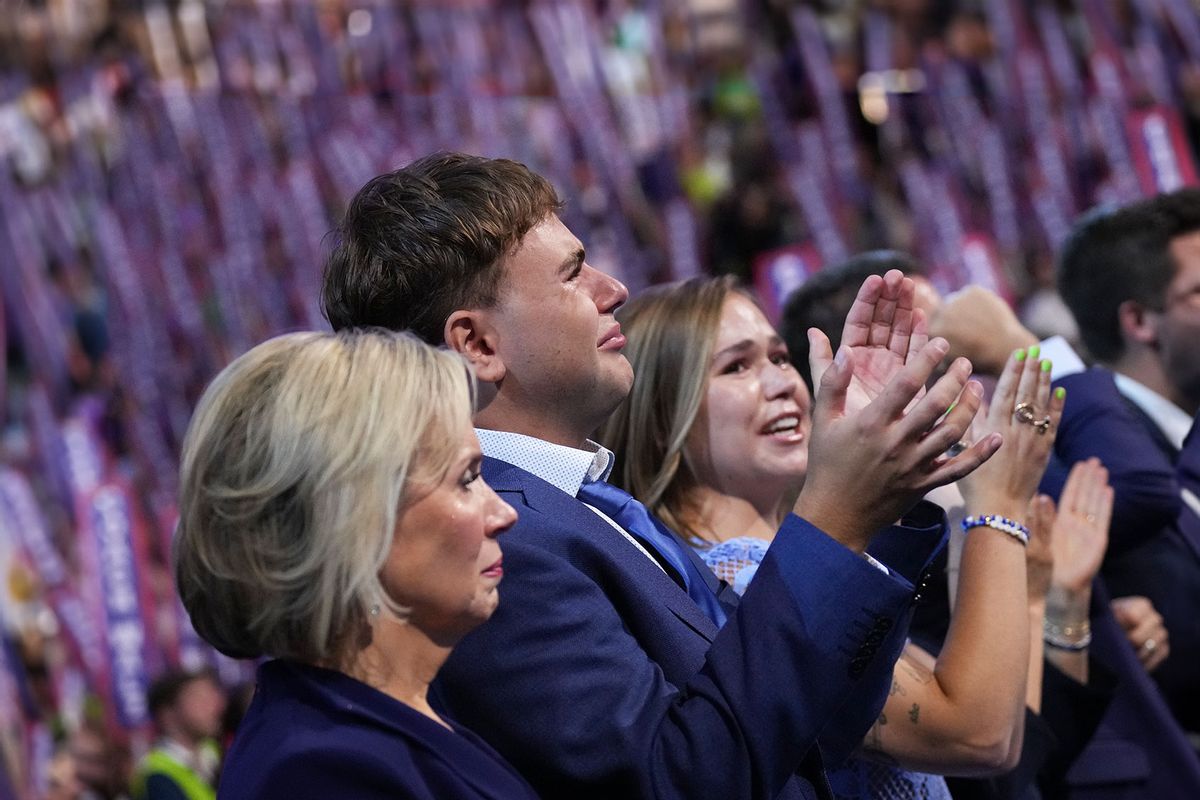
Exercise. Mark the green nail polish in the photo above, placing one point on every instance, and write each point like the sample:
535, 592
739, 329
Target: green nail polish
1046, 365
1019, 355
1060, 393
1033, 351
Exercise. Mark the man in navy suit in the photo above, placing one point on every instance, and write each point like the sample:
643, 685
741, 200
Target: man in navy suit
1131, 277
617, 664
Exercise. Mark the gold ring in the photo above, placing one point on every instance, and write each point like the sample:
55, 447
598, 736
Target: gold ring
1024, 413
1042, 425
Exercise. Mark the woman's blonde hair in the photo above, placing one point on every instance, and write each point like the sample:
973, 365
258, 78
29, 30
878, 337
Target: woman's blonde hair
671, 332
294, 467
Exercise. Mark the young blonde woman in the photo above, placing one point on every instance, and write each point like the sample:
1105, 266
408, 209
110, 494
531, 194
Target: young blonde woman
714, 439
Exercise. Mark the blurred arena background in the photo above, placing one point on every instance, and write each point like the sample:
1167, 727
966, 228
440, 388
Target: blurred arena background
169, 172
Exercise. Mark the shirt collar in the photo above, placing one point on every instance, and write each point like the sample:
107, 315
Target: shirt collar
566, 468
1173, 420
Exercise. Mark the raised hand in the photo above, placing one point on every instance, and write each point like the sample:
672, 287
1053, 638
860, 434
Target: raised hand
1026, 414
869, 465
882, 333
1081, 529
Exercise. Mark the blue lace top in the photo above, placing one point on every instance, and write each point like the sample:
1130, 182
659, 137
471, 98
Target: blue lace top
736, 561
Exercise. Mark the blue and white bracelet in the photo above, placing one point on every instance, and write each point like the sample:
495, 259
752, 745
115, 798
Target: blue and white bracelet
999, 523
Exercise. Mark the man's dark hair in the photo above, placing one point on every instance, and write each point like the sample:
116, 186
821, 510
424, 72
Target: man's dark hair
823, 300
1116, 255
428, 239
164, 691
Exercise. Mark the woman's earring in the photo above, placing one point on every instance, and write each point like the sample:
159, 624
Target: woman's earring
375, 610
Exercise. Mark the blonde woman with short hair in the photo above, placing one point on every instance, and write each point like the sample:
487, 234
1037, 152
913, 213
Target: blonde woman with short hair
333, 519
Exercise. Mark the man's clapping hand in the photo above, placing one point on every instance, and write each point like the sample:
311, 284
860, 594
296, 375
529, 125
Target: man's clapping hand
879, 438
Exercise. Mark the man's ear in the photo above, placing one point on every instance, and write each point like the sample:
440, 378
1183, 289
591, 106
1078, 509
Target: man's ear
1138, 323
471, 333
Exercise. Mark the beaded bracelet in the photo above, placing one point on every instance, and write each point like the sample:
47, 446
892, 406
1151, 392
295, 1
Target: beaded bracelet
1067, 637
999, 523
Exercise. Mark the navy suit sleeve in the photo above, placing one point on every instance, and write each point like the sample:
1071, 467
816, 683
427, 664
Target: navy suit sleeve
907, 549
560, 680
1097, 422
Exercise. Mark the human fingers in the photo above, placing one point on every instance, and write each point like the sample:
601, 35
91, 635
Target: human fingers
1148, 624
1130, 611
940, 398
820, 355
902, 319
1039, 553
1037, 411
1104, 510
1090, 496
1027, 382
1054, 411
953, 426
1092, 544
885, 309
1148, 637
1053, 400
830, 400
856, 332
1074, 491
1004, 398
1153, 656
966, 462
1046, 398
1095, 489
919, 336
1041, 518
908, 382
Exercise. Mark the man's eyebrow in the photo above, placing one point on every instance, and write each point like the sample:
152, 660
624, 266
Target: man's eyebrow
572, 262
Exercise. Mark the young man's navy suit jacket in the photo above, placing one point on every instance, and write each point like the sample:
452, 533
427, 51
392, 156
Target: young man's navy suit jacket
599, 677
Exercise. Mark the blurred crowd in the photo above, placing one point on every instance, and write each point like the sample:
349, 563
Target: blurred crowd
170, 171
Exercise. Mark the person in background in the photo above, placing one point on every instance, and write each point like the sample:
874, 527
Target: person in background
715, 439
101, 766
186, 708
824, 299
1131, 277
333, 518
